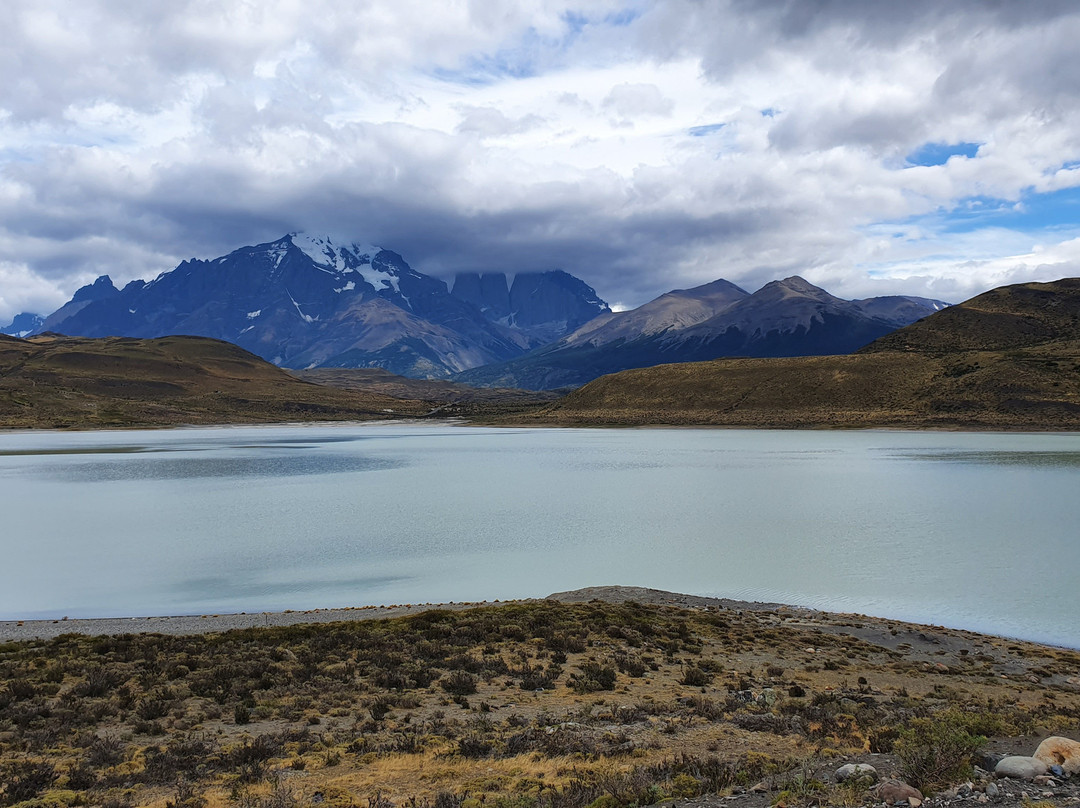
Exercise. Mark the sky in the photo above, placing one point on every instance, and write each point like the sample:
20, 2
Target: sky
870, 146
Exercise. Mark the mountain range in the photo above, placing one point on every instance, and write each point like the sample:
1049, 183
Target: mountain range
1006, 359
305, 302
791, 317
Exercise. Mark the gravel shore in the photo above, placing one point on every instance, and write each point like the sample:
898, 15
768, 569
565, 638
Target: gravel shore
14, 630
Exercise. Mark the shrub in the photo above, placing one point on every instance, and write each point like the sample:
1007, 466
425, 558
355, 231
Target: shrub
24, 780
695, 677
935, 752
594, 677
459, 683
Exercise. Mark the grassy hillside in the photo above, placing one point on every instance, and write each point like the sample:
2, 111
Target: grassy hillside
1006, 359
523, 705
54, 381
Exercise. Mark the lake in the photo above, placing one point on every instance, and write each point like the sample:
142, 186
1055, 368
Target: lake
969, 530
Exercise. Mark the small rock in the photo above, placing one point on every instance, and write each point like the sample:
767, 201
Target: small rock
914, 802
759, 788
1057, 771
1045, 780
1059, 751
850, 770
1019, 767
987, 761
992, 790
893, 791
982, 798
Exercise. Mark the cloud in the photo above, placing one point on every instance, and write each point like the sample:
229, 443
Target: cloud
641, 146
630, 101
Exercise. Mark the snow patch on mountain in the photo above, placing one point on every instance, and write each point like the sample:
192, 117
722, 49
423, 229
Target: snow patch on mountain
325, 254
379, 278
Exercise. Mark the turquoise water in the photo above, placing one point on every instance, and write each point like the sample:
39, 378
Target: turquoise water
974, 531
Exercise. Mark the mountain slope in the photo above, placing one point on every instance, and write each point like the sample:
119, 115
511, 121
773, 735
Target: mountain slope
303, 301
1006, 359
51, 381
784, 318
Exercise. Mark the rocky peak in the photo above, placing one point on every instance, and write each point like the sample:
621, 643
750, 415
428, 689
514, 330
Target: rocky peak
98, 290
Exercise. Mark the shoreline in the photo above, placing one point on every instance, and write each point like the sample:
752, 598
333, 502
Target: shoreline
927, 638
483, 422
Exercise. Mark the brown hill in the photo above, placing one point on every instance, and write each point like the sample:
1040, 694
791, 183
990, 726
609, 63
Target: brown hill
55, 381
1007, 359
1019, 316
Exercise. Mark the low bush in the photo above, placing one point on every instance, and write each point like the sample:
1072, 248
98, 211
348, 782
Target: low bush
936, 752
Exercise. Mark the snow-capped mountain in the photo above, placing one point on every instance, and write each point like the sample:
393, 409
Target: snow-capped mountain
23, 325
784, 318
304, 301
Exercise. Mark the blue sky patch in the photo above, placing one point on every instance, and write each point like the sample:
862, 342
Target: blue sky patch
937, 154
707, 129
1033, 213
1057, 210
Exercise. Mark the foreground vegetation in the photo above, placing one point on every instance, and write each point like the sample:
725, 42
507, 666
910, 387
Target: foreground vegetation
520, 705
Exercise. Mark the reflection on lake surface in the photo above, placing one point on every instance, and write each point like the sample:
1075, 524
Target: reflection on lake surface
970, 530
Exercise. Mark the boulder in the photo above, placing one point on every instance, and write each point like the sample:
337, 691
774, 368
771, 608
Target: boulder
894, 791
1058, 751
856, 770
1019, 767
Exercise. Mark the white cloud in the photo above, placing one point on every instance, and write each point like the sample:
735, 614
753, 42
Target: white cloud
653, 150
